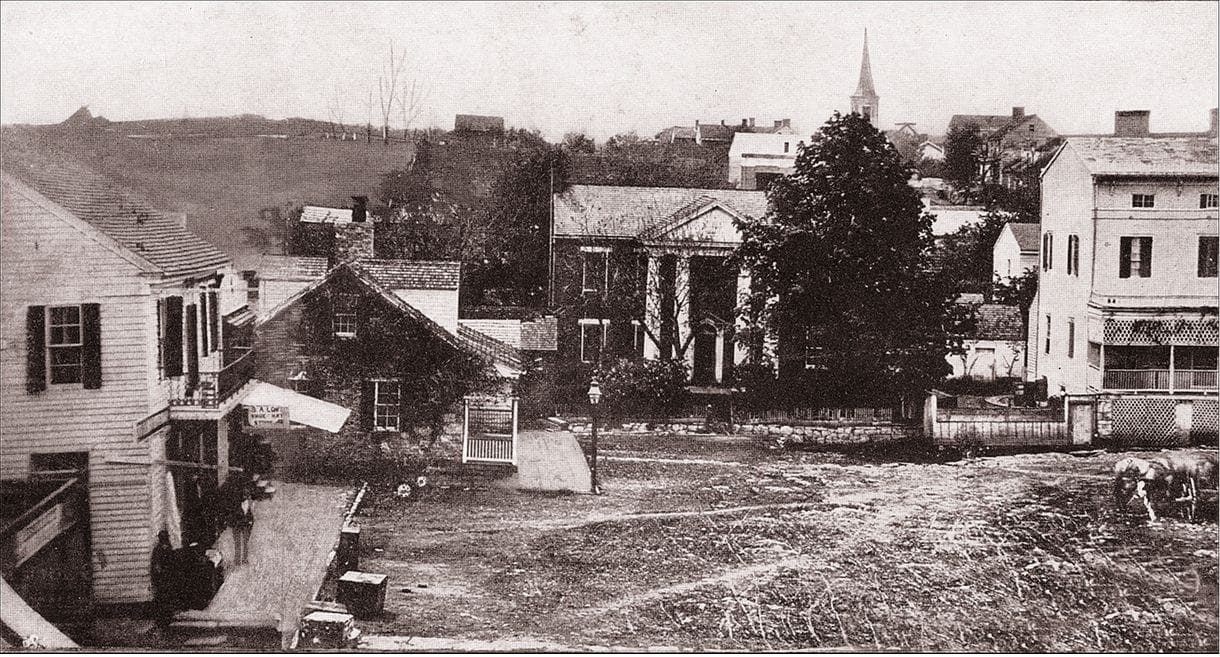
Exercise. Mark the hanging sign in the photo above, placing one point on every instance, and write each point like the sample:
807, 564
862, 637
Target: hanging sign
262, 415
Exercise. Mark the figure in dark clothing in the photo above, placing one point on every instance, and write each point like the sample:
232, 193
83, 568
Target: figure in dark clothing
243, 525
165, 580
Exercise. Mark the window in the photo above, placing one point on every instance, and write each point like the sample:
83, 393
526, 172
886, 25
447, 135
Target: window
64, 343
1071, 337
1048, 250
385, 405
1207, 256
1048, 334
592, 339
1135, 257
1073, 259
594, 269
1095, 354
1143, 200
301, 382
786, 150
1209, 200
345, 315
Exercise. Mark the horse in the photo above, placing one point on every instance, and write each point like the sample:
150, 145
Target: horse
1174, 479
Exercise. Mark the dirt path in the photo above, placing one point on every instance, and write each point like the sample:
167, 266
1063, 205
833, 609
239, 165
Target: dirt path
647, 459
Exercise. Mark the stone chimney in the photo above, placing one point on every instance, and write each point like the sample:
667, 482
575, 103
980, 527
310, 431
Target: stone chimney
1131, 123
751, 122
721, 121
352, 242
745, 123
1018, 113
1211, 127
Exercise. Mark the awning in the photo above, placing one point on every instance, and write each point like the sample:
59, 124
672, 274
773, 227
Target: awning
302, 409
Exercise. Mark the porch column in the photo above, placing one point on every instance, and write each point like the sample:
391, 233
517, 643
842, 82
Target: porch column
719, 368
741, 348
652, 307
683, 294
1171, 381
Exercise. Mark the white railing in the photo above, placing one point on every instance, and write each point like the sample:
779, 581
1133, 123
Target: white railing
489, 431
1159, 380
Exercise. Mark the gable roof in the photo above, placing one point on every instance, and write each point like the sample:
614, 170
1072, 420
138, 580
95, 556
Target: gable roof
414, 274
1027, 235
1145, 156
316, 214
489, 347
154, 235
540, 333
996, 321
987, 123
291, 268
625, 212
715, 132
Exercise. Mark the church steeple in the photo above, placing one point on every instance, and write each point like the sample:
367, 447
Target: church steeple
865, 101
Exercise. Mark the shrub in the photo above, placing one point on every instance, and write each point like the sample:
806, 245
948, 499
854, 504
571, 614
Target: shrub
644, 387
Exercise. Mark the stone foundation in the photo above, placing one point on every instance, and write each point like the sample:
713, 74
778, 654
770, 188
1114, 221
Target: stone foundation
782, 435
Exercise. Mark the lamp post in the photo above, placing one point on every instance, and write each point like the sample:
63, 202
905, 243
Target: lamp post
595, 395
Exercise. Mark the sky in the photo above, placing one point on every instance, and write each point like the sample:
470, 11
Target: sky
606, 68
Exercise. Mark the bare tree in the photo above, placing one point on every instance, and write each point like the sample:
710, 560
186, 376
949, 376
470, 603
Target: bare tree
412, 100
368, 121
387, 90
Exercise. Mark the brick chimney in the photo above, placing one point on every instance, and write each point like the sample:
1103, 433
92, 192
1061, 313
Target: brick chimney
354, 240
1211, 126
751, 122
1131, 123
1018, 113
721, 121
745, 123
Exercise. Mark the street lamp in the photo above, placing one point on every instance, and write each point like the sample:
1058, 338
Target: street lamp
595, 395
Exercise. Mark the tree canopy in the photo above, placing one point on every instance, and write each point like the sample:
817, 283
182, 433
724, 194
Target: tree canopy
841, 272
963, 145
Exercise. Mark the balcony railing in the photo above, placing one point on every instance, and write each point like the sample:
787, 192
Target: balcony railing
1159, 380
213, 387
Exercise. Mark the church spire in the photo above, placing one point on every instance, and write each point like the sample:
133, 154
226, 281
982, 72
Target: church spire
865, 100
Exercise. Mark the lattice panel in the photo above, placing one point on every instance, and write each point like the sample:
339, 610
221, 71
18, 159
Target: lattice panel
1144, 421
1194, 332
1205, 424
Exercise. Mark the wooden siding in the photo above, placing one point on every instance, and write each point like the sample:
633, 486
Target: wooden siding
46, 260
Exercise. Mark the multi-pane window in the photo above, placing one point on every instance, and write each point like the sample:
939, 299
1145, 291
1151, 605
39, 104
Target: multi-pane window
1134, 257
594, 270
1209, 200
1071, 337
386, 405
592, 339
1073, 256
1048, 334
64, 343
1208, 256
1048, 251
344, 321
1143, 200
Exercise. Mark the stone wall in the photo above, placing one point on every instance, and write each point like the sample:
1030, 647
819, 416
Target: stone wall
802, 434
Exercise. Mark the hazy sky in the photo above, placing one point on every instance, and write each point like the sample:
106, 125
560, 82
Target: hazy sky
607, 68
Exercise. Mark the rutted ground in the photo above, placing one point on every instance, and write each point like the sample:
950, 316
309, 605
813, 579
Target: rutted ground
722, 544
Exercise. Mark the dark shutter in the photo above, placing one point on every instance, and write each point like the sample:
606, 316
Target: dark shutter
204, 342
214, 318
172, 352
192, 347
91, 346
1124, 257
1145, 257
367, 392
36, 349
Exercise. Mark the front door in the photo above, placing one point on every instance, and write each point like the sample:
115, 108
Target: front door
1080, 420
704, 373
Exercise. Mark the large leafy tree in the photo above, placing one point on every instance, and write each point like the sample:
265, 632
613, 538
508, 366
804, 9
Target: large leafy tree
841, 272
963, 145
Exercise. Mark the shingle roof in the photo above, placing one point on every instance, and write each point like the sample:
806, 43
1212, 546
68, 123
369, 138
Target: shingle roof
291, 268
478, 123
158, 237
987, 123
715, 132
414, 274
315, 214
540, 333
1146, 156
621, 211
1027, 235
507, 331
489, 347
998, 322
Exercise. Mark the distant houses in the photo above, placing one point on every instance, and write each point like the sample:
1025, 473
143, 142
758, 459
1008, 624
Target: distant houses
1012, 144
1015, 251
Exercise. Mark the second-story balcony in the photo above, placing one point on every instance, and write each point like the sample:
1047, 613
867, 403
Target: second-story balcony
1163, 380
220, 376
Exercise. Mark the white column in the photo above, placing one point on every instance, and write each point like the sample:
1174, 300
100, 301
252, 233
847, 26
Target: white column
683, 295
652, 306
719, 368
741, 349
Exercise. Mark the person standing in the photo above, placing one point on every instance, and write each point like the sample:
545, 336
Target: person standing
243, 525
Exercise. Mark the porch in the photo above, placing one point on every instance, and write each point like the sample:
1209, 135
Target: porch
1170, 368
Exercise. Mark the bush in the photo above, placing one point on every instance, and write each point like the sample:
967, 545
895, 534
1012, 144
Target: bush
644, 387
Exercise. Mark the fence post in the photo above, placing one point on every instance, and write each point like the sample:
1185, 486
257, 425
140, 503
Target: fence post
465, 430
514, 403
929, 415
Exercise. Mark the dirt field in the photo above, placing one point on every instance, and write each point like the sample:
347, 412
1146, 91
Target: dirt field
719, 544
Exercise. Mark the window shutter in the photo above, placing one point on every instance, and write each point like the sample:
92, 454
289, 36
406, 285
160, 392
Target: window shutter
192, 347
367, 391
172, 345
1124, 257
91, 346
1145, 257
204, 343
36, 349
214, 318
